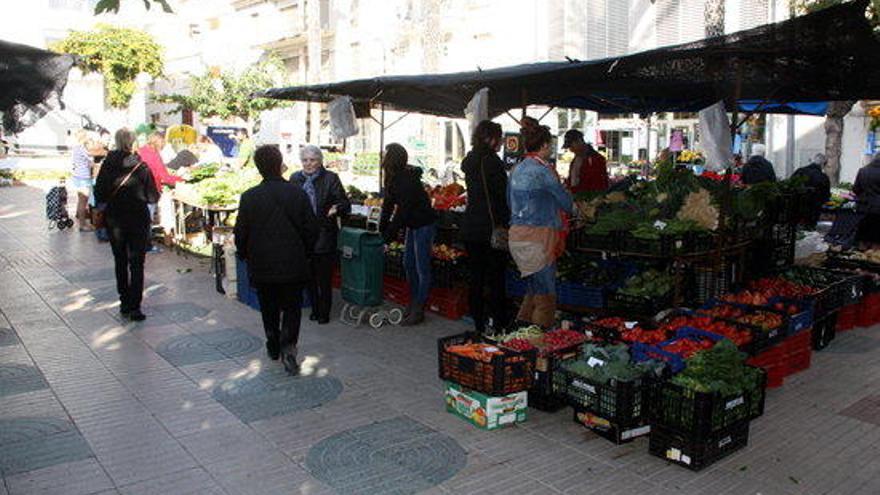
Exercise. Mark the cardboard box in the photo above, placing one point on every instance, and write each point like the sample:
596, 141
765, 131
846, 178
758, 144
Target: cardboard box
484, 411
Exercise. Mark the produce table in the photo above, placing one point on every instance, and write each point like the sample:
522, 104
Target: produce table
215, 231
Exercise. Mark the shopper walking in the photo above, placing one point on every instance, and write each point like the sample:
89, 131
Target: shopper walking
819, 188
589, 170
406, 204
329, 202
487, 212
537, 200
867, 191
275, 234
81, 177
125, 185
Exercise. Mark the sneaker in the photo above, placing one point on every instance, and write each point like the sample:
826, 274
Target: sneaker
137, 315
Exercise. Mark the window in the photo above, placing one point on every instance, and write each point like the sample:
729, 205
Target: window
292, 65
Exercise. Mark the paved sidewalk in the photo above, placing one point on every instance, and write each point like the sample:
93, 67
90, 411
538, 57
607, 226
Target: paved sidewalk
186, 402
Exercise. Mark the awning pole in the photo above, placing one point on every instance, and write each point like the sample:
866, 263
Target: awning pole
381, 143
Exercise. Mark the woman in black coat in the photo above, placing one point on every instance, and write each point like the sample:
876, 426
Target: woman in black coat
125, 185
486, 209
867, 191
329, 202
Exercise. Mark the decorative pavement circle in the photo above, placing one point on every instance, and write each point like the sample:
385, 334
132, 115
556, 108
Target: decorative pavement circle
398, 455
29, 443
268, 395
8, 337
20, 378
91, 275
181, 312
203, 347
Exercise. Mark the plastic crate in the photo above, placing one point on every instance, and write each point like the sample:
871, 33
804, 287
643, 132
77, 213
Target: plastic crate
394, 264
848, 316
396, 290
702, 242
702, 413
870, 314
446, 273
711, 281
784, 208
623, 403
608, 429
798, 321
761, 338
506, 373
579, 295
580, 239
644, 352
546, 402
665, 245
449, 303
635, 306
799, 361
516, 286
824, 331
546, 367
696, 453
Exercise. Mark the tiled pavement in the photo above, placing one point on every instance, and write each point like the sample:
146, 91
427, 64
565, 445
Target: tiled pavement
186, 403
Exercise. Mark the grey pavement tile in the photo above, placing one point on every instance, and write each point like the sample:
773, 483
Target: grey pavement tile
8, 337
266, 394
141, 461
18, 379
71, 478
194, 481
30, 443
181, 312
38, 403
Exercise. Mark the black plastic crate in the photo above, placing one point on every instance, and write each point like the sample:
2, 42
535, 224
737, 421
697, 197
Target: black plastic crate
824, 331
581, 239
700, 414
622, 403
635, 306
664, 245
702, 242
506, 373
545, 402
711, 279
784, 208
394, 264
546, 365
696, 453
608, 429
446, 274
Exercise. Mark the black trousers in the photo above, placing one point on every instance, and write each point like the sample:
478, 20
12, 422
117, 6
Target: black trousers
320, 288
487, 267
280, 307
128, 245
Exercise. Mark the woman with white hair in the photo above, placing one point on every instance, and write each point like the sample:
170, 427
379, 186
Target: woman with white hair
758, 169
818, 185
329, 202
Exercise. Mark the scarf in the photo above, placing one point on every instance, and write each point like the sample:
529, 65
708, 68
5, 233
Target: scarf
309, 188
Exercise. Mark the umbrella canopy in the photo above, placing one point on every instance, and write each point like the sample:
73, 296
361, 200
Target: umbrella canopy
31, 82
828, 55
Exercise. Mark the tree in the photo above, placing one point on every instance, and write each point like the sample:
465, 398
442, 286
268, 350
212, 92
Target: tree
113, 6
119, 54
837, 110
227, 94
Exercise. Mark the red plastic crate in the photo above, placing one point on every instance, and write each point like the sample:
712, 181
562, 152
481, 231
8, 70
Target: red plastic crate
848, 317
870, 314
449, 303
776, 375
396, 290
771, 357
798, 342
337, 278
799, 361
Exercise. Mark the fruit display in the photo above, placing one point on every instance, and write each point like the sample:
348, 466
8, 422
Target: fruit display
477, 351
445, 252
687, 346
690, 156
394, 246
533, 337
738, 335
868, 256
448, 197
644, 336
765, 320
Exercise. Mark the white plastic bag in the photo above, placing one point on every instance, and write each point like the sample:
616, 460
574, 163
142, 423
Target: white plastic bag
343, 122
715, 137
477, 109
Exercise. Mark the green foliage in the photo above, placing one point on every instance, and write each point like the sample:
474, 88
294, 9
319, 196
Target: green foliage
801, 7
113, 6
119, 54
227, 94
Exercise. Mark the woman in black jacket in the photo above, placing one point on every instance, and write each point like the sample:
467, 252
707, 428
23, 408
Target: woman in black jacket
487, 208
329, 202
867, 191
125, 185
406, 199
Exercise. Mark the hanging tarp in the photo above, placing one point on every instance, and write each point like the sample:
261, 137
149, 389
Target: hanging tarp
828, 55
31, 83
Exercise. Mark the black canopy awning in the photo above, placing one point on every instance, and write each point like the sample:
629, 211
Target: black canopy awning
29, 78
828, 55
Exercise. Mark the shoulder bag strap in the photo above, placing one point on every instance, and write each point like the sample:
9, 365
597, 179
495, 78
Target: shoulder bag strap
135, 169
486, 191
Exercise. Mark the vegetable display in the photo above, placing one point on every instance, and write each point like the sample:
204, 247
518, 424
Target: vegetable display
202, 172
651, 283
739, 336
602, 364
719, 369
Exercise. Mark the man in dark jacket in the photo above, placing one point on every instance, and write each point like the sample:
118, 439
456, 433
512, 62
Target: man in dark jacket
867, 191
275, 233
819, 187
329, 202
758, 169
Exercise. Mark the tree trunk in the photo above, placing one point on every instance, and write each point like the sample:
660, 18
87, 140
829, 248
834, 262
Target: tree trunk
837, 110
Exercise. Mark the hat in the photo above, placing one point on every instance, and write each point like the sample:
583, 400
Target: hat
571, 136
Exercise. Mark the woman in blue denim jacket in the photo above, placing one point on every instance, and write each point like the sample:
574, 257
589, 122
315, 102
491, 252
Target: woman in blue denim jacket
537, 202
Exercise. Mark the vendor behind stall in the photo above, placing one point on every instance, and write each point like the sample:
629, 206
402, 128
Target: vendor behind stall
589, 170
537, 200
758, 169
867, 191
819, 187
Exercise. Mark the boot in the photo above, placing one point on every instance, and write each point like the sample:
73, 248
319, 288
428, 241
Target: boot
272, 349
416, 316
288, 359
544, 313
526, 308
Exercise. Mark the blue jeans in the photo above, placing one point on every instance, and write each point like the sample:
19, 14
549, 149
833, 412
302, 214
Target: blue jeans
417, 262
542, 283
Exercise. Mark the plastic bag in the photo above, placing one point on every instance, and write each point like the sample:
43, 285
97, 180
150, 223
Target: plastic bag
715, 137
343, 122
